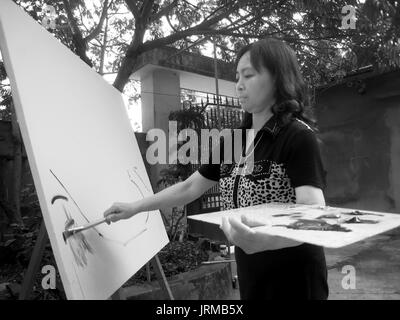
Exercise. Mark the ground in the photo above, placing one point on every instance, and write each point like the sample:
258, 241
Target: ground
376, 262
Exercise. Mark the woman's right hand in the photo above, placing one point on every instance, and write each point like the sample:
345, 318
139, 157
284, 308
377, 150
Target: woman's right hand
121, 210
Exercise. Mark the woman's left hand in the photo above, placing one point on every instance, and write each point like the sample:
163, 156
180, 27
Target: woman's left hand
250, 240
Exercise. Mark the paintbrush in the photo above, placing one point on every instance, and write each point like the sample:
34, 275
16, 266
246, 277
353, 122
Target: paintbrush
218, 261
69, 232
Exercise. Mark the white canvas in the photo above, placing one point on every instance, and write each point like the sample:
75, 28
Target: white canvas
274, 215
83, 156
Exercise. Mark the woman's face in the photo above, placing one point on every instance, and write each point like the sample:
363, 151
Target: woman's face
255, 89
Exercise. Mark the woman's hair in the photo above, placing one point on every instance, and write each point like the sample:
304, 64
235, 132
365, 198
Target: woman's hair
291, 95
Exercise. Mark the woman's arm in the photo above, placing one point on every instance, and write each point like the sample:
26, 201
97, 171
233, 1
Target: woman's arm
309, 195
179, 194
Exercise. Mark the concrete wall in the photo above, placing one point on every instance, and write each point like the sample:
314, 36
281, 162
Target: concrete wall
360, 136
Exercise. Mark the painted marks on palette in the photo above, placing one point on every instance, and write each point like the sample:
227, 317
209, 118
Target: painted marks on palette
361, 213
359, 220
354, 219
330, 216
319, 224
287, 214
292, 215
314, 224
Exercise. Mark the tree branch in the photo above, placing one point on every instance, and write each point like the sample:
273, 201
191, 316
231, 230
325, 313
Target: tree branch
71, 18
78, 40
170, 24
192, 32
192, 5
315, 38
256, 17
212, 21
81, 16
96, 31
146, 10
202, 28
216, 10
132, 6
163, 11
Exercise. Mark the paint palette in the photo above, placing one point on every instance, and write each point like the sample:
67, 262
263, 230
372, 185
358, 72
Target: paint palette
331, 227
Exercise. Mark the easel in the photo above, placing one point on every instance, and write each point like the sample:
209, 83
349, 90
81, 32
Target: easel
37, 255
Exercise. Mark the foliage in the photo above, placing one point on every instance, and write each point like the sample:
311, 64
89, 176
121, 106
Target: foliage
176, 257
111, 34
16, 247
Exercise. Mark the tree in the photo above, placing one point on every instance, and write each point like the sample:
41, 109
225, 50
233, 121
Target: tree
119, 31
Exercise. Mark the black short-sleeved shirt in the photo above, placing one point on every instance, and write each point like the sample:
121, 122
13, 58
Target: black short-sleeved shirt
284, 158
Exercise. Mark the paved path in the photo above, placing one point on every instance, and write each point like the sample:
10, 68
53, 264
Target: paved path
376, 262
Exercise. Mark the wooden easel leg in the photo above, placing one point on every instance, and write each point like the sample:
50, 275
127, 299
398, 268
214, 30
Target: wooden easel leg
34, 263
148, 274
162, 280
230, 265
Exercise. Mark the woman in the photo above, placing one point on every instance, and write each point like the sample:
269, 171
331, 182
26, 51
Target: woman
286, 166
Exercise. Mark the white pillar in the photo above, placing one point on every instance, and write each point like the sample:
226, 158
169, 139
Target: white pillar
160, 95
